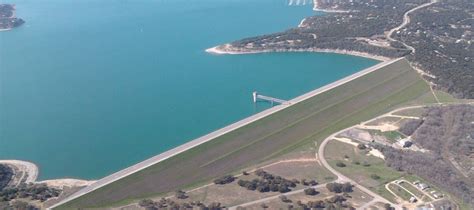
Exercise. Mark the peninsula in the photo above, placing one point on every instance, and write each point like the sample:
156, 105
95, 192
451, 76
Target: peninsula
8, 19
435, 36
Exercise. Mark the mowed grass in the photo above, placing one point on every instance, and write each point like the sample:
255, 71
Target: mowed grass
277, 134
384, 120
415, 191
414, 112
400, 192
392, 136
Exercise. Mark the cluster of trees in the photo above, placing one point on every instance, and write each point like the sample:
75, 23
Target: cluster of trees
39, 192
448, 132
342, 31
339, 188
17, 205
310, 191
224, 180
268, 182
305, 182
335, 202
6, 174
409, 127
170, 204
442, 37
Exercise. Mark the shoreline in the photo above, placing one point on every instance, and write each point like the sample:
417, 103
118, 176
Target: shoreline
5, 29
301, 25
217, 133
31, 171
317, 9
28, 169
66, 182
218, 50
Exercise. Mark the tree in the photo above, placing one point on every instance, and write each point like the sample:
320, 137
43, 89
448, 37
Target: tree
313, 182
361, 146
346, 187
375, 176
334, 187
146, 203
316, 204
274, 187
284, 199
21, 205
263, 188
310, 191
180, 194
387, 206
339, 188
340, 164
224, 180
283, 189
336, 199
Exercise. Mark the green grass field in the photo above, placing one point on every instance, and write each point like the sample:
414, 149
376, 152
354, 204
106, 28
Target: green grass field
299, 125
403, 194
336, 151
392, 136
415, 191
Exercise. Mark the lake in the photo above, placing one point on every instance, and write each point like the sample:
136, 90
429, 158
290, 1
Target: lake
88, 87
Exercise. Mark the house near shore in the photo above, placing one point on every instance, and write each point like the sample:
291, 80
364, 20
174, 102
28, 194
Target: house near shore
422, 186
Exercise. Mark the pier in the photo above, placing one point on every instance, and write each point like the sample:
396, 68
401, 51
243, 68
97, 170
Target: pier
272, 100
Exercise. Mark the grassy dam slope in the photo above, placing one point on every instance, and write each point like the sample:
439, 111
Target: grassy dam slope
298, 125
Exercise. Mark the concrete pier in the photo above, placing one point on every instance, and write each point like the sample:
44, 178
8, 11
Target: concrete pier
257, 96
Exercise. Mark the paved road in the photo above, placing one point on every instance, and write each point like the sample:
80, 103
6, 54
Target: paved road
406, 21
170, 153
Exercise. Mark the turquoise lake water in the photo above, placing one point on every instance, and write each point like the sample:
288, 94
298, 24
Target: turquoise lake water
88, 87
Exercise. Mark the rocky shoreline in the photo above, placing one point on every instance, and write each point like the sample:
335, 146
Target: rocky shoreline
27, 172
229, 49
